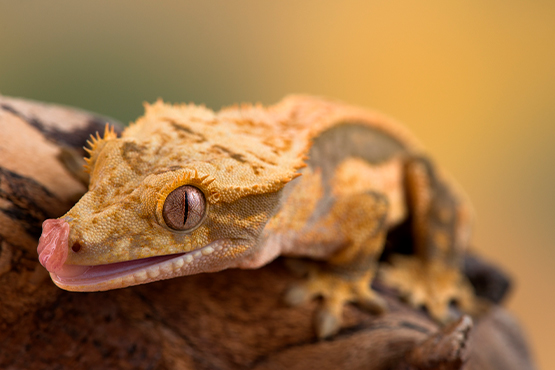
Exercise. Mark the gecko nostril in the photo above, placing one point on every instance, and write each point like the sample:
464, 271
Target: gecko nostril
76, 247
424, 309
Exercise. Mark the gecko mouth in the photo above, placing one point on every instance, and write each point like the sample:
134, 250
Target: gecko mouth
53, 253
123, 274
91, 274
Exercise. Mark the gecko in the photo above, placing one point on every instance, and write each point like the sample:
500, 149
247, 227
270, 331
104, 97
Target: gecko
186, 190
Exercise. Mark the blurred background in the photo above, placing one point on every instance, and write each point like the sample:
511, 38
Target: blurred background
474, 80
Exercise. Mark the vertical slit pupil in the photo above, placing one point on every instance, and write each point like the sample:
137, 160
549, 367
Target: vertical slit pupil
186, 206
183, 208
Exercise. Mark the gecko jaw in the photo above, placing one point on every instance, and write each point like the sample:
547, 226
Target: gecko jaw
141, 271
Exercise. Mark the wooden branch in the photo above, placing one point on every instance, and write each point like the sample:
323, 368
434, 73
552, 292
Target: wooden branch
234, 319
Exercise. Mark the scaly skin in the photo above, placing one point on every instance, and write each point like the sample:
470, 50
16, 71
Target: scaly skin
307, 177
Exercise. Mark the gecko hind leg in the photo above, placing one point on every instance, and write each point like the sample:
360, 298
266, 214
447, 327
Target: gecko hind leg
432, 278
347, 275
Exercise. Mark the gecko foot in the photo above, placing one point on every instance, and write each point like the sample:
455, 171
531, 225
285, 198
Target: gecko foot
442, 291
336, 289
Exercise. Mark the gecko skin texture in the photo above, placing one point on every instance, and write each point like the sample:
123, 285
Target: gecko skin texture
186, 190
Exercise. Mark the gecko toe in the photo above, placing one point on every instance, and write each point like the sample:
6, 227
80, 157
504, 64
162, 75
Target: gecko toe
297, 295
371, 302
327, 321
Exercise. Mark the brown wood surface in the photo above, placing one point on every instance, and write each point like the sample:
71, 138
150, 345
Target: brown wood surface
234, 319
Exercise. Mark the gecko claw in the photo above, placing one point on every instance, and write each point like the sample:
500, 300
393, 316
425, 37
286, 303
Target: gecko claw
327, 321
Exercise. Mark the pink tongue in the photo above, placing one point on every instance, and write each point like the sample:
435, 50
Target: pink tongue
53, 244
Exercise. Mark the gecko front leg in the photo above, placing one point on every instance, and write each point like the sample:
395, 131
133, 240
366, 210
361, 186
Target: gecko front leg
357, 222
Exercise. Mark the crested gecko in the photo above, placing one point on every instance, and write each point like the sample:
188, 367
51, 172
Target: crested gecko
186, 190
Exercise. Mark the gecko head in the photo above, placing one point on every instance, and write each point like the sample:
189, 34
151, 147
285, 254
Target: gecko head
160, 205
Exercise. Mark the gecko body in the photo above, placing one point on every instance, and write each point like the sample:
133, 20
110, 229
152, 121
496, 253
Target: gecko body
186, 190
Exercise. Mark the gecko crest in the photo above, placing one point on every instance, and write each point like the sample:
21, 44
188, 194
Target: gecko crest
96, 143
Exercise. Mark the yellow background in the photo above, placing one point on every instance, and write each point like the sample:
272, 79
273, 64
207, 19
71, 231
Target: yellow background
475, 81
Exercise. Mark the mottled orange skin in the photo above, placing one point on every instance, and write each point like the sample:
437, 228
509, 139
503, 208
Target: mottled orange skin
268, 193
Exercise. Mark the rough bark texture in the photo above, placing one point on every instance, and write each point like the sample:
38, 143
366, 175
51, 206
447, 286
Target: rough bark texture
229, 320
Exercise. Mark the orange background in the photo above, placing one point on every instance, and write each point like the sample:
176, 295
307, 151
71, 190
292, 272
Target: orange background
474, 80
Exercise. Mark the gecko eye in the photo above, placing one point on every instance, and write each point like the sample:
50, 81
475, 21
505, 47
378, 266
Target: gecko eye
184, 208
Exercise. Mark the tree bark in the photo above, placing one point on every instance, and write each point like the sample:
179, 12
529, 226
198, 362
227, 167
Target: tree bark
234, 319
